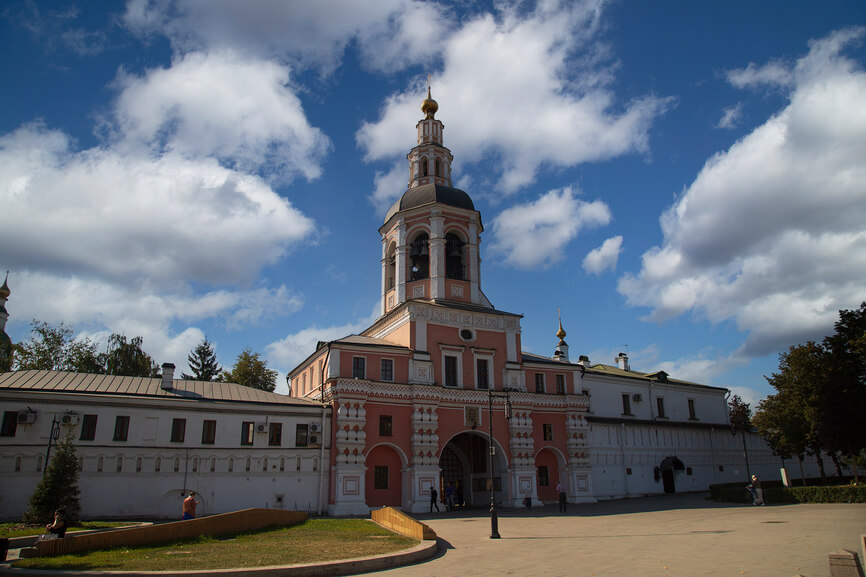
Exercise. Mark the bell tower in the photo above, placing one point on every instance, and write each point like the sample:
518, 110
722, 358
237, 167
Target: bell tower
431, 235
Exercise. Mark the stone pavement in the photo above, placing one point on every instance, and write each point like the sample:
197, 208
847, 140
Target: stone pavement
671, 535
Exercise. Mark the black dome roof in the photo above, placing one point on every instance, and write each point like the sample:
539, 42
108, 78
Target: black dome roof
430, 193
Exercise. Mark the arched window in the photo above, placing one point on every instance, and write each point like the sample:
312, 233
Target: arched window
423, 167
17, 464
282, 464
247, 465
138, 465
212, 465
99, 465
390, 266
120, 464
157, 465
419, 257
454, 261
298, 464
176, 464
231, 464
195, 465
438, 167
265, 464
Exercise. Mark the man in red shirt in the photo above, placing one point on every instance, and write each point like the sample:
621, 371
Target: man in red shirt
189, 506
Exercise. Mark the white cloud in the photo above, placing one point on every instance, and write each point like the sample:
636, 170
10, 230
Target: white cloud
237, 109
96, 212
289, 351
391, 33
389, 186
534, 234
730, 116
520, 92
97, 309
771, 233
604, 257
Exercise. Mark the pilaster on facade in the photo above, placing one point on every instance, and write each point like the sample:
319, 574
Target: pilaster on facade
577, 443
421, 369
522, 471
424, 465
350, 438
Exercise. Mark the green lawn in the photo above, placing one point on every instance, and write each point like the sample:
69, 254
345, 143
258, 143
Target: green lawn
315, 540
10, 530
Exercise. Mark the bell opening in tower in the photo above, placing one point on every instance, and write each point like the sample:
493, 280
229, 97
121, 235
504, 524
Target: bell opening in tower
419, 257
454, 261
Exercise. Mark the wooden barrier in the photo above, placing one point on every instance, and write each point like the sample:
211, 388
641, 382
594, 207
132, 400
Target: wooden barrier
399, 522
213, 526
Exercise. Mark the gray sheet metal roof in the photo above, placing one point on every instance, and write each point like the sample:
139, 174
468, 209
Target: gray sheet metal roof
82, 383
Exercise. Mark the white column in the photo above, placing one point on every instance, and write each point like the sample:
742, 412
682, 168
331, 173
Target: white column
474, 269
400, 263
382, 304
437, 254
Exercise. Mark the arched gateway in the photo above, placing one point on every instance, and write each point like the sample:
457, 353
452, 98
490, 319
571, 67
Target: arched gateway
465, 465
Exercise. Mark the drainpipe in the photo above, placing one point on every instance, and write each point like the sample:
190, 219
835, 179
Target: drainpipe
652, 399
322, 450
622, 452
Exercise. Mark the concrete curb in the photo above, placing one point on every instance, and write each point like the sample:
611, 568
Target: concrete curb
421, 552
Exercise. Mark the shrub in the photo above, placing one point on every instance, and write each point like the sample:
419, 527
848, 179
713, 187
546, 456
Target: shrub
774, 492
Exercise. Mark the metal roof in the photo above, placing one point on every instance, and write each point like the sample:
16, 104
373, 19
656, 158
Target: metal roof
83, 383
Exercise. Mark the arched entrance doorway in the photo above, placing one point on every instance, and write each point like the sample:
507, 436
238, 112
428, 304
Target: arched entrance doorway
464, 462
384, 478
547, 473
667, 468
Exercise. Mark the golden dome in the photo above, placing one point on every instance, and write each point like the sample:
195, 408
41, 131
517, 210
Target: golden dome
560, 334
429, 106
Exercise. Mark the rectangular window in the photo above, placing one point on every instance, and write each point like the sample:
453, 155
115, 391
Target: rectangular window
121, 428
560, 384
381, 477
543, 477
301, 436
359, 367
275, 435
539, 382
88, 428
688, 470
660, 405
247, 431
626, 404
385, 426
208, 432
10, 424
548, 431
483, 375
450, 371
628, 470
692, 410
387, 370
178, 430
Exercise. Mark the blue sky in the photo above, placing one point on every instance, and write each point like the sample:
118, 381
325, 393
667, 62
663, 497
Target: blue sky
686, 181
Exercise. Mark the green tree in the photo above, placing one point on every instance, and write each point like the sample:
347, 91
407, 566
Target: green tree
740, 413
52, 348
58, 488
128, 359
844, 396
784, 429
801, 385
251, 371
203, 363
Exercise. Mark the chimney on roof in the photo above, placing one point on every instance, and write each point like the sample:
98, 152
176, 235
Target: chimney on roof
583, 361
622, 361
167, 376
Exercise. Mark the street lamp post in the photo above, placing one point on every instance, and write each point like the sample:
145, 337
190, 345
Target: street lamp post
494, 518
52, 436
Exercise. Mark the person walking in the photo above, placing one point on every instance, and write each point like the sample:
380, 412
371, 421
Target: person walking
449, 496
434, 499
759, 492
561, 492
189, 505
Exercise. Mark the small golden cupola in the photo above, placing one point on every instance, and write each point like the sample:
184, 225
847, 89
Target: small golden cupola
561, 351
429, 106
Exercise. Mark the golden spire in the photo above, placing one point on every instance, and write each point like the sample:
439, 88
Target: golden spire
4, 290
560, 334
429, 106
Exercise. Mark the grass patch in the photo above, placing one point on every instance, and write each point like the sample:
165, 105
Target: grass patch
315, 540
11, 530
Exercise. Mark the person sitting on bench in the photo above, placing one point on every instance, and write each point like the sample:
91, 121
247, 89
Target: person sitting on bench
58, 527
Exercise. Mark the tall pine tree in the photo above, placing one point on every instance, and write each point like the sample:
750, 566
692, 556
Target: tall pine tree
203, 363
58, 488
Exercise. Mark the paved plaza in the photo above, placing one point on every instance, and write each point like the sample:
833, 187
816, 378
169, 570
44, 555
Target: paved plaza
666, 535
